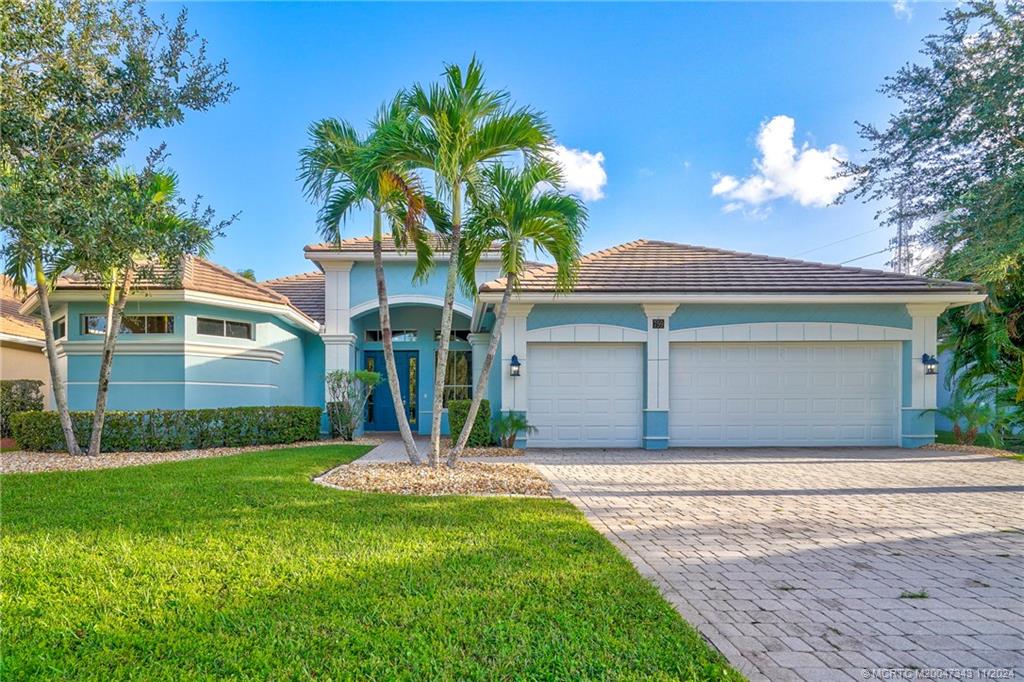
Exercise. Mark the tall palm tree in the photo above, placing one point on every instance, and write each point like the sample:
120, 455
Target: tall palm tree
345, 172
460, 127
518, 210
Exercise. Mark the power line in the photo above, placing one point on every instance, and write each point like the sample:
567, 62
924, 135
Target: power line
840, 241
867, 255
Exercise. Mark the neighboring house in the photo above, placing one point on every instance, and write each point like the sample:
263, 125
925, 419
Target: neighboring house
21, 340
660, 344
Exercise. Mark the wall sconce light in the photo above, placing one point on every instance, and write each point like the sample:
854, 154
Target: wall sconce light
514, 366
931, 364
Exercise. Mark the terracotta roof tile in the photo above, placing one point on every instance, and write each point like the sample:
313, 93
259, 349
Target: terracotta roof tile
365, 245
305, 292
646, 266
13, 322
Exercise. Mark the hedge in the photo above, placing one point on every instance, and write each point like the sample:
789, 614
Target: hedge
158, 430
18, 395
480, 436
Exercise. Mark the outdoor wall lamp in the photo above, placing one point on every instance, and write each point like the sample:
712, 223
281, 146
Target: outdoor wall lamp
931, 364
513, 366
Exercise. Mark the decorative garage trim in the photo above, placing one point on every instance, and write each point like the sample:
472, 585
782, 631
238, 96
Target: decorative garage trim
586, 333
791, 331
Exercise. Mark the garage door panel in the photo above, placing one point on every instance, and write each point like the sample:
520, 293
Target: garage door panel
595, 399
812, 393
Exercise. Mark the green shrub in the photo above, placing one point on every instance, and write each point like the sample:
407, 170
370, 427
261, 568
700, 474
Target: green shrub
18, 395
480, 436
157, 430
510, 425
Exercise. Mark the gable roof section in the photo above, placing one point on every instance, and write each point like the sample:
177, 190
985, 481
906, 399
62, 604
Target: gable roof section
12, 322
647, 266
305, 292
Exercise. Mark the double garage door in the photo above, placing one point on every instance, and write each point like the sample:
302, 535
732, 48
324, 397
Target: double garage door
720, 394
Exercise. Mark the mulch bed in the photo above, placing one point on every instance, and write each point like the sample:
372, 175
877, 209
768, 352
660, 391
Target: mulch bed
971, 449
24, 461
467, 478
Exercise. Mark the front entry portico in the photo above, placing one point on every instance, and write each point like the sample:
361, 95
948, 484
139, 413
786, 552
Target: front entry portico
380, 407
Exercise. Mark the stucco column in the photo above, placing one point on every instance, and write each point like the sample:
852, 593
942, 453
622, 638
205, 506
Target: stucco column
918, 426
656, 407
513, 342
339, 342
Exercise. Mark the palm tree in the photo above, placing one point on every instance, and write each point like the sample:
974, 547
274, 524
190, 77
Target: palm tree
346, 172
460, 127
518, 210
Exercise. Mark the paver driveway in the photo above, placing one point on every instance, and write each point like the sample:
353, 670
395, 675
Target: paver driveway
793, 562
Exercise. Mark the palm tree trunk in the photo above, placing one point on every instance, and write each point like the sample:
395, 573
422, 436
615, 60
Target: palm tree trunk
115, 311
389, 347
56, 381
441, 369
485, 374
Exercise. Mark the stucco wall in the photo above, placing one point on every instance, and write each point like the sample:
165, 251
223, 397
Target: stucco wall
25, 362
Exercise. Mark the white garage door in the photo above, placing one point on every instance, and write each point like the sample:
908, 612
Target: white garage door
585, 395
748, 394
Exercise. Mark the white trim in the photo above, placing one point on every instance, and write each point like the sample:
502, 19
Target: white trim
175, 383
790, 331
367, 256
586, 333
23, 340
408, 299
949, 298
211, 350
279, 310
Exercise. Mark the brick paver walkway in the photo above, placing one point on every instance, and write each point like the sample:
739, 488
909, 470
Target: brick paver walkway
793, 562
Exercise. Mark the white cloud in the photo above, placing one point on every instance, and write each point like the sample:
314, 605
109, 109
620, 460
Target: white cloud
805, 175
584, 172
901, 8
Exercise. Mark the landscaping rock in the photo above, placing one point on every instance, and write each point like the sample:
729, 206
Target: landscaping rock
467, 478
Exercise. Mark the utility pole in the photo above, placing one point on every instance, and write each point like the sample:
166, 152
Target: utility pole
903, 255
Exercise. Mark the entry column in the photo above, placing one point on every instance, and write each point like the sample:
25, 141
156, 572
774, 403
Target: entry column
656, 408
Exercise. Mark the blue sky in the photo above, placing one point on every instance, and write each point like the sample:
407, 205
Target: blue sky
672, 97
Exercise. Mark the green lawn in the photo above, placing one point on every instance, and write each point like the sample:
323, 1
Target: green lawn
241, 567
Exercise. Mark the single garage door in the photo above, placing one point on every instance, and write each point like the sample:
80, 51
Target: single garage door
585, 395
749, 394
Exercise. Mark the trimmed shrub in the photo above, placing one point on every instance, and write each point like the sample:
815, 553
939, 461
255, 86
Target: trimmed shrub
157, 430
18, 395
480, 436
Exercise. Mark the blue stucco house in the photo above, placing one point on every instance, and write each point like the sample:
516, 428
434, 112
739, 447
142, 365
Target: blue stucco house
660, 344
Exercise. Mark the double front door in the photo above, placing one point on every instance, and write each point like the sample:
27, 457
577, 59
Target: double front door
380, 408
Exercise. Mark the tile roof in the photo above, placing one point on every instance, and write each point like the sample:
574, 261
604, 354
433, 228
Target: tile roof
196, 275
13, 322
365, 245
666, 267
305, 292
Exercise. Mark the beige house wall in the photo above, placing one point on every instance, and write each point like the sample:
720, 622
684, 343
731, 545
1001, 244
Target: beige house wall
19, 361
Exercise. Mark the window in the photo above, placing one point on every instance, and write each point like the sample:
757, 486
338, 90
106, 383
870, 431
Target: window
231, 329
457, 335
458, 379
413, 387
374, 335
130, 324
60, 328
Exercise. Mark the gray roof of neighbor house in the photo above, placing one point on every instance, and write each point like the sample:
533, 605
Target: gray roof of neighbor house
12, 322
650, 266
305, 291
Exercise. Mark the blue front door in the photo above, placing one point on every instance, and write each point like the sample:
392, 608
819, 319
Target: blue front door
380, 408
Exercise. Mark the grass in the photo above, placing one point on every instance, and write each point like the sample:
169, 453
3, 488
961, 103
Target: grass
241, 567
920, 594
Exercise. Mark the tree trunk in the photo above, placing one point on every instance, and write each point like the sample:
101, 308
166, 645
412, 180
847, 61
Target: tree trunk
389, 347
485, 374
56, 381
115, 310
447, 310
